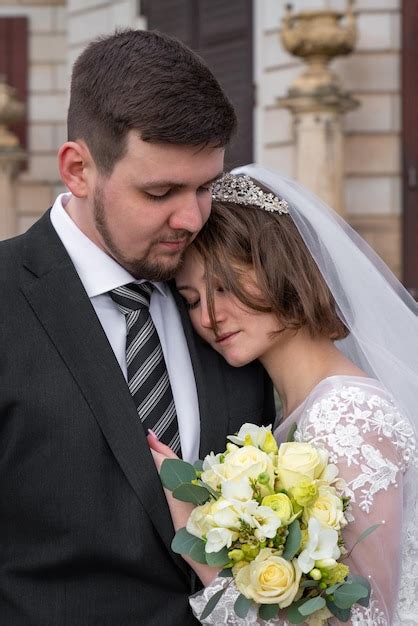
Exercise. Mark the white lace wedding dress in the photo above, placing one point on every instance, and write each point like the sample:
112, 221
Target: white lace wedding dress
356, 420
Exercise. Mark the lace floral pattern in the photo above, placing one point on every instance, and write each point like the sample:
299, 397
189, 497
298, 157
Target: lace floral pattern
341, 421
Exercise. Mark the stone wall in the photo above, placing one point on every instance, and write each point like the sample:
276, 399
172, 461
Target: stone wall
372, 132
47, 105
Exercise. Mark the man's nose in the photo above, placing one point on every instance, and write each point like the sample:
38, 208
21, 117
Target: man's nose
187, 215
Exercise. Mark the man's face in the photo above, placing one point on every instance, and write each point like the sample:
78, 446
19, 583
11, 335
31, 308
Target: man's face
152, 206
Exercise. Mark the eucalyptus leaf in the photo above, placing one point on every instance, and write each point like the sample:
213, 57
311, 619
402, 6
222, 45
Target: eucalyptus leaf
217, 558
312, 605
175, 472
198, 465
363, 536
268, 611
355, 578
211, 604
242, 606
191, 493
333, 588
185, 543
293, 541
342, 614
348, 594
292, 612
291, 433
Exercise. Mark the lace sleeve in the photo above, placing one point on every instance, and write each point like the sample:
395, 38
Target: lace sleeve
224, 611
372, 444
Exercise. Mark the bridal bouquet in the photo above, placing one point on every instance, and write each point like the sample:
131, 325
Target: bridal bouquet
270, 517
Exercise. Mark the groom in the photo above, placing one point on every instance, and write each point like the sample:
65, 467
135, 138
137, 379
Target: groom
95, 347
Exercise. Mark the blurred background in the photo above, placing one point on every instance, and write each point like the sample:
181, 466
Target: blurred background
325, 91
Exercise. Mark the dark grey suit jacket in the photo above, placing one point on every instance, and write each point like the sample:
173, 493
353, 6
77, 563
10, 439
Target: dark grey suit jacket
85, 531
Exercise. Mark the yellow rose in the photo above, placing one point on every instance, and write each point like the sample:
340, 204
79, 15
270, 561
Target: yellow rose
281, 504
300, 462
269, 579
327, 509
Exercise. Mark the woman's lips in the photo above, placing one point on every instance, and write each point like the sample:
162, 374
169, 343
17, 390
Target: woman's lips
226, 338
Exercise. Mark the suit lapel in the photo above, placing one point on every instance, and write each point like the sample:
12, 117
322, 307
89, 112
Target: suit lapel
207, 367
55, 293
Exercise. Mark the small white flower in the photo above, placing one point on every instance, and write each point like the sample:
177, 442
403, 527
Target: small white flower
263, 519
322, 544
266, 523
211, 459
218, 538
257, 434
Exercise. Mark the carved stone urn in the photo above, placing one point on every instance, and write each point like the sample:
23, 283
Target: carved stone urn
317, 37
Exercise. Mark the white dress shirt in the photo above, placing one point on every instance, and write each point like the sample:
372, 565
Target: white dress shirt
99, 273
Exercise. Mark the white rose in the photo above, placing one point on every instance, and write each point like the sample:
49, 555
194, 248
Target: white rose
250, 460
299, 461
237, 489
269, 579
327, 509
200, 520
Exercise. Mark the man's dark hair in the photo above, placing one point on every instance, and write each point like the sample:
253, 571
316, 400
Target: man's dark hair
148, 82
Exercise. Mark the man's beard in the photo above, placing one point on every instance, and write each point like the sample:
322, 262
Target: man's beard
144, 267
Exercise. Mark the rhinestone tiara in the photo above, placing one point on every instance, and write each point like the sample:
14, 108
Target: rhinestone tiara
242, 190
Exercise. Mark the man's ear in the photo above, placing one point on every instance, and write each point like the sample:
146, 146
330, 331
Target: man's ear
75, 165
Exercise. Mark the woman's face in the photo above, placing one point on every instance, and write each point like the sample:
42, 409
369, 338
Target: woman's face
243, 334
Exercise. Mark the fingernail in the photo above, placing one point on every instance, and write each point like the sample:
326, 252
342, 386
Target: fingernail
152, 433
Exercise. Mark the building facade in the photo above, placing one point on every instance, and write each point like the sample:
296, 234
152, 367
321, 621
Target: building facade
240, 40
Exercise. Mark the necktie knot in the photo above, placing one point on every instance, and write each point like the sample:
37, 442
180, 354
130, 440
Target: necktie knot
132, 297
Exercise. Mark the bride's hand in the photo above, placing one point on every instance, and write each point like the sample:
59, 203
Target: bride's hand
159, 450
180, 511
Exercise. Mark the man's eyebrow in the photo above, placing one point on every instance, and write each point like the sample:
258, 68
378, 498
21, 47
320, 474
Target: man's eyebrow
175, 185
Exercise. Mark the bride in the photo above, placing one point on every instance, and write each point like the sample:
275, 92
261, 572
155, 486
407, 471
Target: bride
276, 276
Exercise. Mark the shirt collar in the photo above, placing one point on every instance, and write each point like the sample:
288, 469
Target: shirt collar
98, 272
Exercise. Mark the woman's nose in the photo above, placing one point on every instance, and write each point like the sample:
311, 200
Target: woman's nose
205, 319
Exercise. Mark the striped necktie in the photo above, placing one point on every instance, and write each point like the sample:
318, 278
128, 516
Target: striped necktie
148, 379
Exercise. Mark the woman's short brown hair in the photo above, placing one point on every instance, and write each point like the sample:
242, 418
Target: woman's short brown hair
237, 238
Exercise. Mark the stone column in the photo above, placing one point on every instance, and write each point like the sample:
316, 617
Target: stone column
316, 99
11, 155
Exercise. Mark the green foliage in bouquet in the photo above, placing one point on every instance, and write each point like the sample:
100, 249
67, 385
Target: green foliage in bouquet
271, 518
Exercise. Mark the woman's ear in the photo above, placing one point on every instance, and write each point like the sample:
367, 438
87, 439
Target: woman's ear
75, 162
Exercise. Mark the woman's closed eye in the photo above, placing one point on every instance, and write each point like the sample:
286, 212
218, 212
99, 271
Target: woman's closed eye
191, 305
